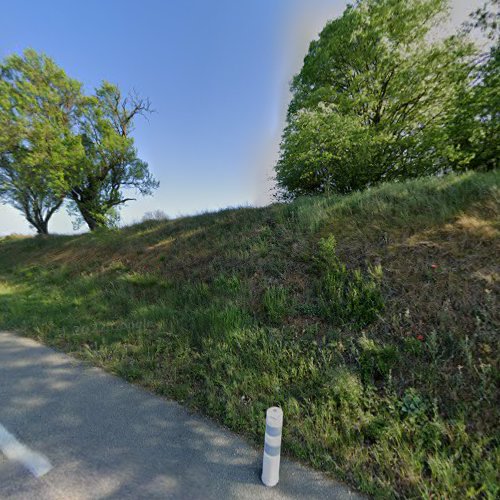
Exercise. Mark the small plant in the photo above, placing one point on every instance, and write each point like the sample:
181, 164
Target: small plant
375, 429
229, 284
376, 361
413, 345
346, 388
412, 404
141, 280
276, 303
118, 266
347, 296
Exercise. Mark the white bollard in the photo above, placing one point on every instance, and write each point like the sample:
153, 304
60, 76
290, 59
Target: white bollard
272, 446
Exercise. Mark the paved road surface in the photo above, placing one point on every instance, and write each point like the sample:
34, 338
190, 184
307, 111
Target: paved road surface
108, 439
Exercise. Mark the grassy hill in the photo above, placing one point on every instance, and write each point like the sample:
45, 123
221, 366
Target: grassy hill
371, 319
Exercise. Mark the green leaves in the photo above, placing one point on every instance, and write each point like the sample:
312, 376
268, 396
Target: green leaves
476, 125
373, 99
347, 296
111, 162
325, 150
57, 143
38, 149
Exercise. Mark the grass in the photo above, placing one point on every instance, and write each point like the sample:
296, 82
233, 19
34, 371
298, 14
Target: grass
371, 319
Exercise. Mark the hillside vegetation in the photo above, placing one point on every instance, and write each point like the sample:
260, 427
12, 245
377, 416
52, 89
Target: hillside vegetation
371, 319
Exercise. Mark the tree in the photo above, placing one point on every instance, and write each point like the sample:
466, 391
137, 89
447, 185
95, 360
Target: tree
476, 126
327, 151
111, 163
38, 149
373, 99
56, 144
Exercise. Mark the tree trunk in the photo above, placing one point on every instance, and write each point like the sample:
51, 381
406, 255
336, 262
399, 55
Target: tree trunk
89, 219
39, 210
85, 198
41, 226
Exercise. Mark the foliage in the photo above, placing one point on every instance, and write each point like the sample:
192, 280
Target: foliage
476, 126
373, 99
327, 151
276, 303
56, 144
39, 152
412, 403
221, 312
347, 296
376, 361
155, 216
111, 162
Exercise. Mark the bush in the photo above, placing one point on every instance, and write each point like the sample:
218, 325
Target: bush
156, 215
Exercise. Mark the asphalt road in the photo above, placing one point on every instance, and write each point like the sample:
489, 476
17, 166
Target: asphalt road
105, 438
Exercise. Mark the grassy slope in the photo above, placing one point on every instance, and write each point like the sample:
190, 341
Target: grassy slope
382, 348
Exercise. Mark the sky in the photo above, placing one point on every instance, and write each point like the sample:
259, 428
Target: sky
216, 71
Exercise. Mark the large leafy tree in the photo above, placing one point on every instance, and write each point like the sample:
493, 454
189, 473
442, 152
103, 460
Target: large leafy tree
56, 144
476, 127
111, 163
373, 98
38, 148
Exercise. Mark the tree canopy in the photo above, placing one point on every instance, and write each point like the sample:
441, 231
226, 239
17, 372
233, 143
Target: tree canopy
477, 121
111, 162
375, 99
57, 144
39, 151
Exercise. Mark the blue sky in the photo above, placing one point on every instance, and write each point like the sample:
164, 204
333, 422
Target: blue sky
216, 71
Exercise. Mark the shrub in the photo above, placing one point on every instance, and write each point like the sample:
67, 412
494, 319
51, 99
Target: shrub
155, 215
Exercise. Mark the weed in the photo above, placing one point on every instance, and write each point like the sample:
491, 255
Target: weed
376, 361
347, 296
412, 404
277, 304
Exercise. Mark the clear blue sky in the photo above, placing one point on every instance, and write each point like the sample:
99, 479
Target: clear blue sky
216, 71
